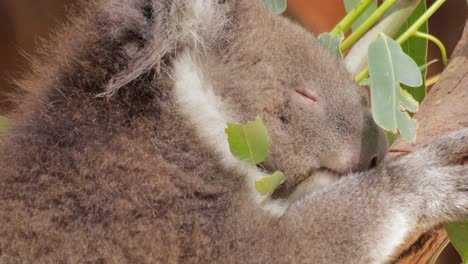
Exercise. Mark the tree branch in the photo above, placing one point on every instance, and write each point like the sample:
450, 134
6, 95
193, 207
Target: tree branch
444, 110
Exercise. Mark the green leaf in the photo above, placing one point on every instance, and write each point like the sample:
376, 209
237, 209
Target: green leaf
388, 67
458, 234
278, 6
390, 24
267, 185
391, 137
426, 65
3, 124
416, 48
331, 42
351, 4
249, 142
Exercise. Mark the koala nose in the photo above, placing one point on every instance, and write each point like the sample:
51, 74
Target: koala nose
374, 145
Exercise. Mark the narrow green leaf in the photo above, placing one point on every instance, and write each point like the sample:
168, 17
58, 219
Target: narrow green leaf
424, 67
278, 6
3, 124
331, 42
267, 185
458, 234
388, 67
249, 142
351, 4
416, 48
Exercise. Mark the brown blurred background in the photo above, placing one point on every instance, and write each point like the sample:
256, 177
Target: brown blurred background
24, 22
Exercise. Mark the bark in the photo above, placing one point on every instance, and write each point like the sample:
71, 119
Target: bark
445, 109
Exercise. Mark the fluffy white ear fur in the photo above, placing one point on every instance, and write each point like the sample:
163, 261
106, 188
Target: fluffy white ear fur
191, 24
201, 21
196, 99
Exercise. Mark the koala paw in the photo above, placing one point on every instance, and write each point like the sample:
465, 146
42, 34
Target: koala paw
448, 199
436, 184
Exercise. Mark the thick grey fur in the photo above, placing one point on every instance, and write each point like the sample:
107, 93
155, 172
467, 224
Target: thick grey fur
100, 164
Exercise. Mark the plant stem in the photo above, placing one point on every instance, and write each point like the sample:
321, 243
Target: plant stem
361, 30
390, 24
436, 41
434, 79
411, 31
421, 20
351, 17
361, 76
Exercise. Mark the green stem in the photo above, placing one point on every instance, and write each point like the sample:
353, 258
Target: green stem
433, 80
351, 17
421, 20
362, 29
436, 41
411, 31
361, 76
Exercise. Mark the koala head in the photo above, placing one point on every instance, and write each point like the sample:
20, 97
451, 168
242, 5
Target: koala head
248, 62
317, 117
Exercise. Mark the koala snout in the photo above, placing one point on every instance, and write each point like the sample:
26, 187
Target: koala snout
374, 146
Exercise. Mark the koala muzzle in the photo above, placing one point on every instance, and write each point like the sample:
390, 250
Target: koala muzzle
374, 145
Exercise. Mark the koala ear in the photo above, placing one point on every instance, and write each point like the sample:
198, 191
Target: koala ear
138, 26
162, 27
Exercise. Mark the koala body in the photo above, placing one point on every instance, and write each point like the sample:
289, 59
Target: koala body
118, 154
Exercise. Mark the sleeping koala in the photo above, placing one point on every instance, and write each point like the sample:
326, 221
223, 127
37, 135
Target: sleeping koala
118, 152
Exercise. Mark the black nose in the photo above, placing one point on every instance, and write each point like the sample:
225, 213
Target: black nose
374, 161
373, 145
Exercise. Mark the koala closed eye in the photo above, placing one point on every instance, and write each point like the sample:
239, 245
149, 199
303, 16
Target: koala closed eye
119, 154
307, 94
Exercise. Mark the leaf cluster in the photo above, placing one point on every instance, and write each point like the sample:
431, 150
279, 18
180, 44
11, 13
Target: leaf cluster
251, 143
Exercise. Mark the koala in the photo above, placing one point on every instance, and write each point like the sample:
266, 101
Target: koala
118, 154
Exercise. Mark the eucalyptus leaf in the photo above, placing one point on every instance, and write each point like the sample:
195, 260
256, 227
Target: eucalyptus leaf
267, 185
391, 137
389, 66
3, 124
249, 142
390, 24
331, 42
278, 6
351, 4
424, 67
458, 234
416, 48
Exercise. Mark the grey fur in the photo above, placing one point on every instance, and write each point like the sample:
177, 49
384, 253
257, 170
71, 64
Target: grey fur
127, 178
